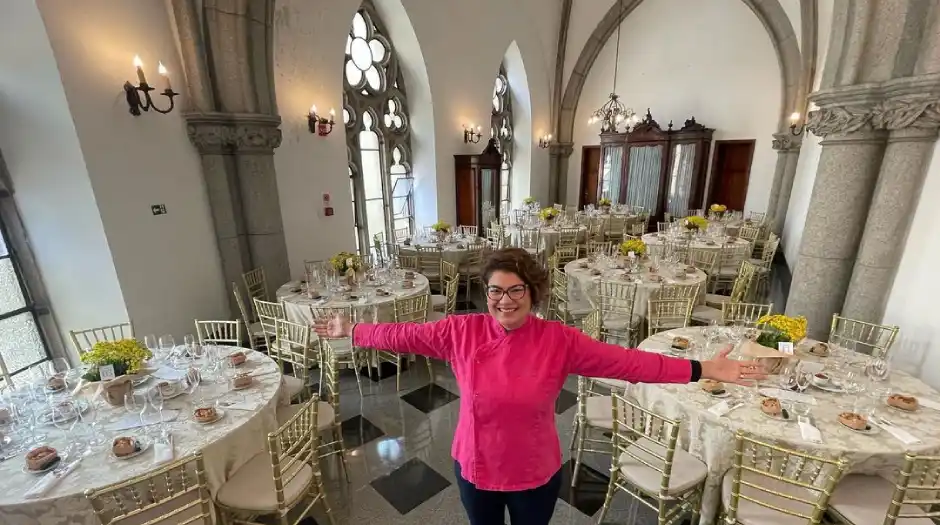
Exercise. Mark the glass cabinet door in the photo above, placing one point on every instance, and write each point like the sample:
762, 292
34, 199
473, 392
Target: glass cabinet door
646, 164
608, 187
679, 187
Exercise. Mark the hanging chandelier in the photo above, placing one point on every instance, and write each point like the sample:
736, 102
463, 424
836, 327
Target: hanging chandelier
613, 113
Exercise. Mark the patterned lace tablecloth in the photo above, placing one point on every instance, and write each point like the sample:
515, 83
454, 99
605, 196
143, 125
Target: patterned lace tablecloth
548, 235
297, 305
229, 443
711, 438
453, 252
582, 285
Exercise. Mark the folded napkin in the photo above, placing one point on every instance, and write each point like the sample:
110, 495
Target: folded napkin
809, 432
788, 395
130, 421
249, 406
50, 480
929, 403
163, 451
902, 435
724, 407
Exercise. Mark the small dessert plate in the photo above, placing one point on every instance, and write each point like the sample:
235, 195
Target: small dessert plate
780, 417
721, 394
47, 468
901, 410
249, 385
144, 443
219, 414
828, 386
869, 429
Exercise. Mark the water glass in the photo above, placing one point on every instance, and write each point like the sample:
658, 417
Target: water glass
803, 379
90, 418
167, 344
64, 415
152, 344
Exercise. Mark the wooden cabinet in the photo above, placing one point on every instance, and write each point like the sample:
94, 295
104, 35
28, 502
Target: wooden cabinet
662, 170
477, 183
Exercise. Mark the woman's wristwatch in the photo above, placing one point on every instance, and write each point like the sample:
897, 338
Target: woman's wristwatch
696, 370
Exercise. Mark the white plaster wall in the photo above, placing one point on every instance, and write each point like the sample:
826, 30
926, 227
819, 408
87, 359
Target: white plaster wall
53, 192
721, 68
168, 266
459, 46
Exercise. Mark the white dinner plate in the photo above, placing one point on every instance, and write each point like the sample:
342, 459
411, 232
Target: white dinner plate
871, 430
145, 443
62, 457
219, 415
779, 418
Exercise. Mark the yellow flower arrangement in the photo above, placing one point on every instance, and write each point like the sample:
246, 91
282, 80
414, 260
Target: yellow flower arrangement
696, 223
636, 246
343, 261
441, 226
126, 355
528, 201
718, 208
603, 202
779, 327
548, 214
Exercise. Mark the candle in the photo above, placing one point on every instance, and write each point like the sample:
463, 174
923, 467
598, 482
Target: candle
313, 110
332, 114
794, 117
162, 71
140, 69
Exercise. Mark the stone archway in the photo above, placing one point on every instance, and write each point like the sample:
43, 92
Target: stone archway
769, 12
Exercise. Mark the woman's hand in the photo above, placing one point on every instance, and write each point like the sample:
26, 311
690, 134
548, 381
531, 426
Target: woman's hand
336, 326
731, 371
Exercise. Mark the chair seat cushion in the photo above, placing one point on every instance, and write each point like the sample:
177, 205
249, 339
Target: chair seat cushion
574, 312
255, 329
599, 411
716, 300
436, 316
292, 385
438, 301
687, 470
341, 347
251, 487
325, 414
621, 323
864, 500
706, 314
753, 514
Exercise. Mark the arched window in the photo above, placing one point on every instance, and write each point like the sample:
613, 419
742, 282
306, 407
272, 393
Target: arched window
501, 128
378, 135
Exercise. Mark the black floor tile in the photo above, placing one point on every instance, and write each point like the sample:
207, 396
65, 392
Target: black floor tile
429, 397
588, 496
384, 371
564, 401
410, 485
358, 431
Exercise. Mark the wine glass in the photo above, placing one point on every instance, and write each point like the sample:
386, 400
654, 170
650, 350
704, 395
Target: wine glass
167, 344
803, 379
32, 416
64, 415
152, 344
134, 404
90, 418
878, 370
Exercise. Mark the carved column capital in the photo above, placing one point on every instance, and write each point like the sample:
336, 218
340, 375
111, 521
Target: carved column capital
561, 149
891, 114
784, 142
221, 133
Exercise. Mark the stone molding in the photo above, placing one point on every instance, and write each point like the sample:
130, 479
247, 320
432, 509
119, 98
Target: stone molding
228, 133
561, 149
784, 142
890, 114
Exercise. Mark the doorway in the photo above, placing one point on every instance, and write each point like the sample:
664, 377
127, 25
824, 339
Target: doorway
731, 171
590, 166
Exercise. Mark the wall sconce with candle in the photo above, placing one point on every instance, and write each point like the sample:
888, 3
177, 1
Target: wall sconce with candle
794, 120
318, 124
470, 136
545, 141
138, 97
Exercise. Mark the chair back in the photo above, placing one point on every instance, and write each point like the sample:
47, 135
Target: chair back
256, 284
246, 318
558, 298
917, 490
662, 227
744, 313
448, 270
678, 291
402, 234
678, 249
470, 231
429, 261
636, 227
598, 247
567, 237
768, 252
5, 375
450, 292
731, 256
313, 267
518, 217
704, 259
565, 254
227, 333
616, 299
530, 238
793, 483
292, 346
175, 493
268, 313
591, 324
294, 447
408, 262
83, 340
666, 314
868, 338
645, 437
412, 309
741, 289
473, 260
756, 216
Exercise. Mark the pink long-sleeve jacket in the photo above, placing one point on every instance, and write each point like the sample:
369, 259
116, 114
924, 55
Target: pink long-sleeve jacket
506, 438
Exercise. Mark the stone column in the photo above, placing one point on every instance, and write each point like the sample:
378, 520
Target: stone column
780, 144
845, 180
788, 153
892, 208
558, 170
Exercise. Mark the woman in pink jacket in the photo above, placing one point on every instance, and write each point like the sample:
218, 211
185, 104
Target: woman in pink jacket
510, 366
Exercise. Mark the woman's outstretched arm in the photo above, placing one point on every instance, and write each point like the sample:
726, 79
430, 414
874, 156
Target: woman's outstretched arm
427, 339
592, 358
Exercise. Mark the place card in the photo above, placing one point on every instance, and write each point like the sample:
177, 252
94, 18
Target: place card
785, 347
106, 372
809, 432
724, 407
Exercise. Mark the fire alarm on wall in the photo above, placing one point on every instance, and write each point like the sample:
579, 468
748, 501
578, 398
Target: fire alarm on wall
327, 208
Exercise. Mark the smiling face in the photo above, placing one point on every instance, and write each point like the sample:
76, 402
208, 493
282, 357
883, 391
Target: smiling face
508, 299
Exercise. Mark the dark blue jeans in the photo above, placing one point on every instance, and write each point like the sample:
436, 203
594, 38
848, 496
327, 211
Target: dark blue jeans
526, 507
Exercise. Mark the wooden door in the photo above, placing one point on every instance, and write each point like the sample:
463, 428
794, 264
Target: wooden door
590, 166
731, 170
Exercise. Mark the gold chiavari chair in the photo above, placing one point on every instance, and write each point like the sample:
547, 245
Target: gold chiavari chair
678, 249
530, 240
740, 289
765, 266
565, 254
636, 227
729, 264
429, 264
226, 333
342, 347
662, 227
868, 338
311, 267
448, 271
750, 234
471, 267
291, 462
595, 247
756, 216
745, 314
770, 484
558, 306
647, 464
518, 216
407, 310
666, 314
450, 292
176, 493
253, 328
704, 259
294, 356
616, 301
408, 262
567, 237
84, 340
469, 231
592, 417
256, 284
5, 375
504, 219
911, 500
615, 227
678, 291
402, 234
268, 313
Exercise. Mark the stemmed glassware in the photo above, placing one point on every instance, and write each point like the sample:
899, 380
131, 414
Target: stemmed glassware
152, 344
64, 415
167, 344
90, 418
158, 401
878, 370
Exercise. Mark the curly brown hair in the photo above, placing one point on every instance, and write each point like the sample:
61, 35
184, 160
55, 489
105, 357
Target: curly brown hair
521, 263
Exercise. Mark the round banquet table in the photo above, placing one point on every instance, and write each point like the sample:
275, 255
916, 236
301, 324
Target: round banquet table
711, 438
297, 304
582, 283
451, 251
230, 443
548, 234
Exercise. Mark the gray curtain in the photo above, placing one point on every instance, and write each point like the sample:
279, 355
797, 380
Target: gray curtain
680, 179
645, 168
609, 186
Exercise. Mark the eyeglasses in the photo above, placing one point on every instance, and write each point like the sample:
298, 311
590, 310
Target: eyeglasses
514, 292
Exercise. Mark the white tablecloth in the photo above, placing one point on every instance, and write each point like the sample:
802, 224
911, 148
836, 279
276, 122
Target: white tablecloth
452, 252
711, 438
232, 441
659, 239
582, 285
549, 236
297, 304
